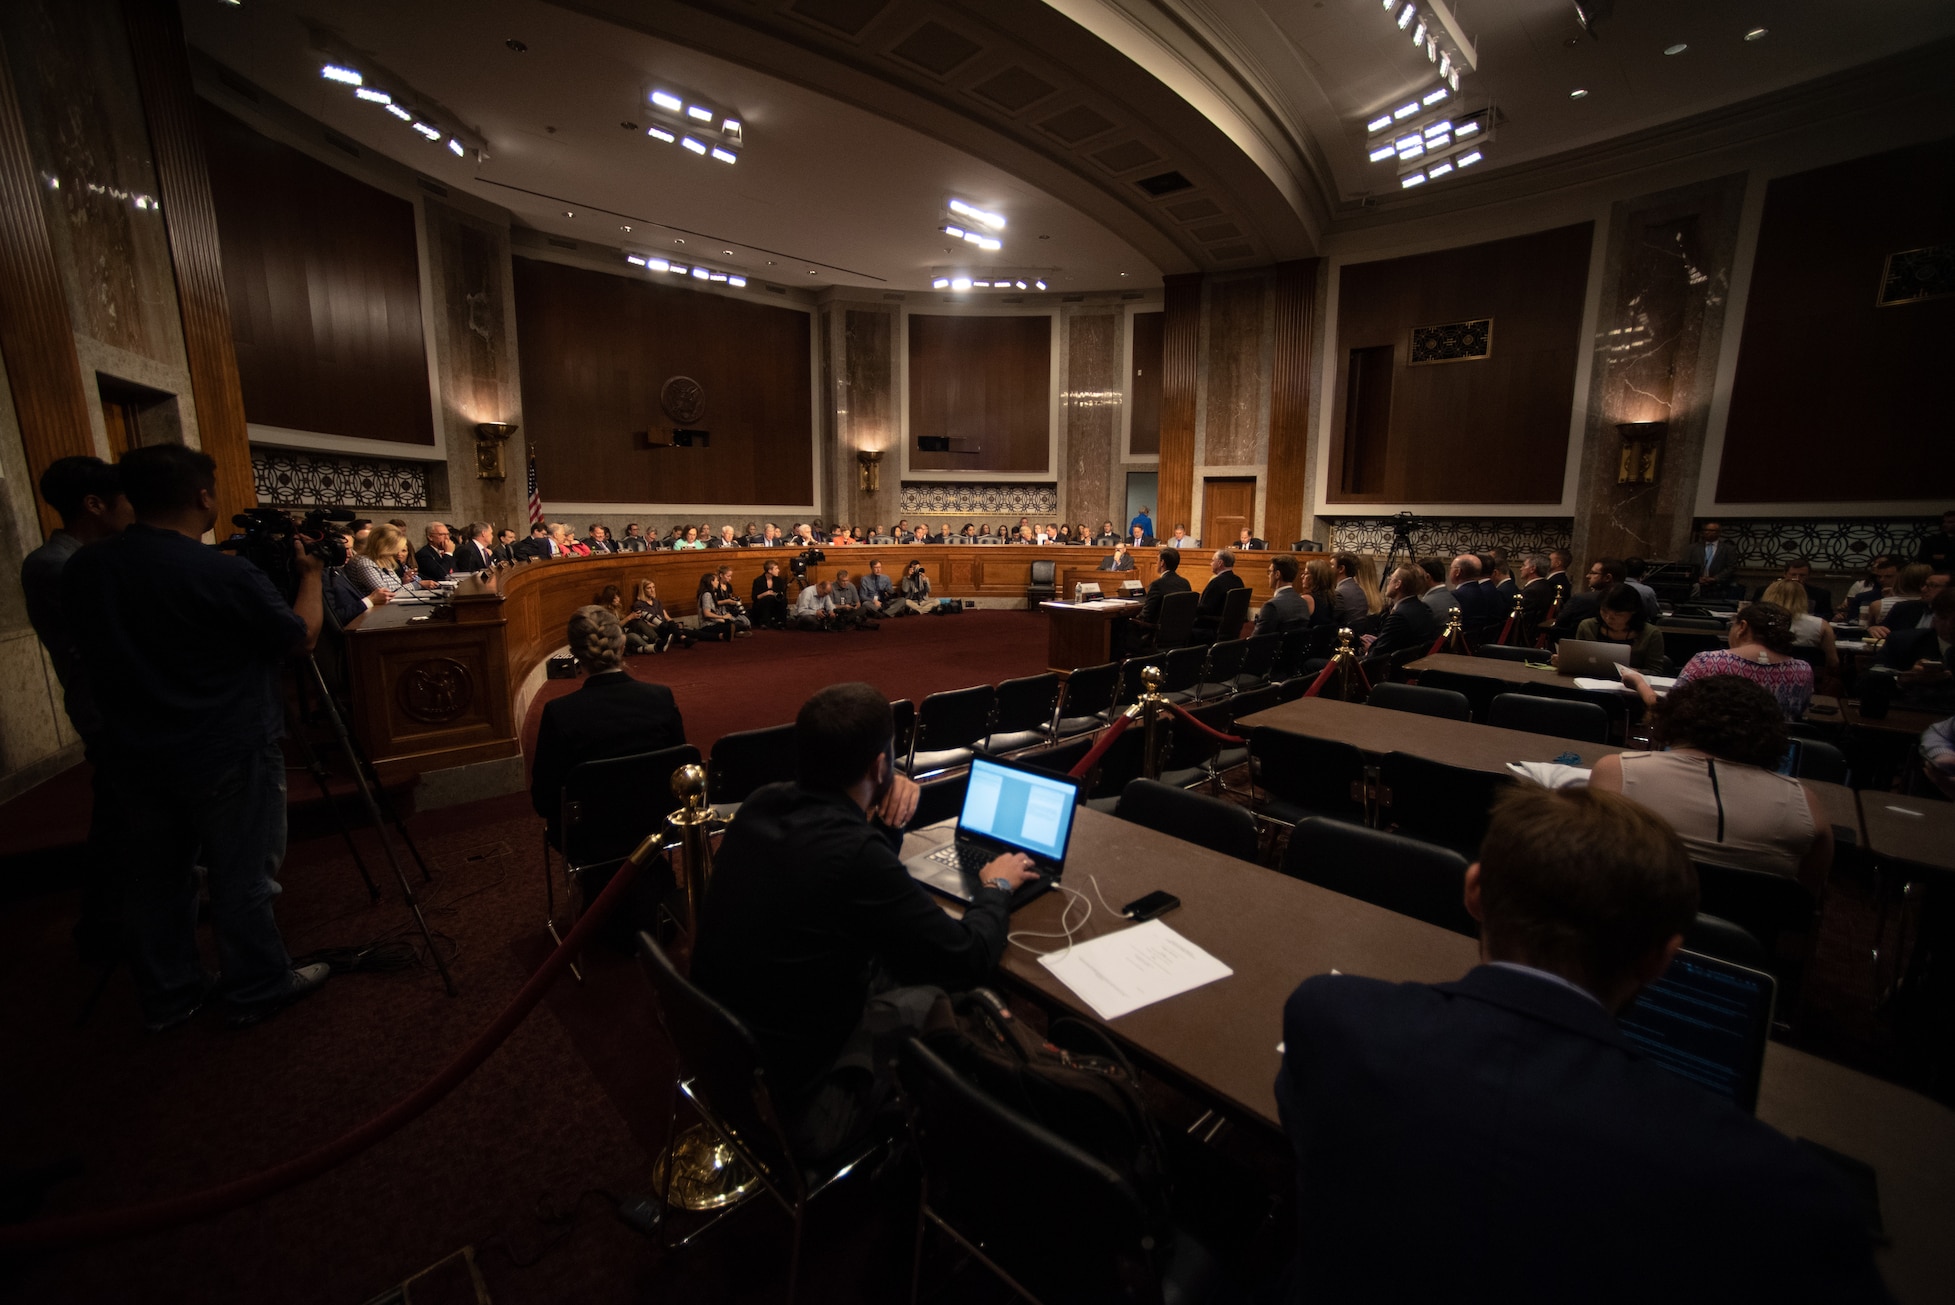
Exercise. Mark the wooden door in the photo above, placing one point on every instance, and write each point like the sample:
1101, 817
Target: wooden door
1228, 504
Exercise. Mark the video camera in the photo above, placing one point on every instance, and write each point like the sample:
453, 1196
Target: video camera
1404, 523
265, 537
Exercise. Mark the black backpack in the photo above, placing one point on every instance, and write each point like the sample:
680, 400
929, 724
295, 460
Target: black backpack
1077, 1084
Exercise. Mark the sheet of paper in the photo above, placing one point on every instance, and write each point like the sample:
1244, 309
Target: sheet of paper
1136, 967
1549, 774
1661, 683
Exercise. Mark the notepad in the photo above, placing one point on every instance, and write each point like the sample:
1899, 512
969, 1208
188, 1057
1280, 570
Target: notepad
1661, 683
1121, 972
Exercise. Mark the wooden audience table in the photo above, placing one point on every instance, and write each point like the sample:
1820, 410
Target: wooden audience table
1378, 730
1084, 634
1898, 720
1915, 831
1219, 1041
1496, 668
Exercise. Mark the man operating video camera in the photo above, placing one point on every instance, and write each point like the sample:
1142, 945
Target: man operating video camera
183, 645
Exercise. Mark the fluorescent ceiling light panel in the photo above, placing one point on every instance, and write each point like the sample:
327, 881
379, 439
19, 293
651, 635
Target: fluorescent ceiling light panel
1380, 123
1405, 16
1468, 159
725, 156
717, 276
455, 148
635, 260
702, 273
699, 113
737, 281
667, 100
332, 72
1414, 179
657, 265
1440, 128
1406, 142
982, 285
693, 145
940, 283
1439, 169
1405, 111
960, 283
660, 133
1468, 128
400, 113
995, 221
1383, 152
1434, 97
372, 96
1418, 35
432, 133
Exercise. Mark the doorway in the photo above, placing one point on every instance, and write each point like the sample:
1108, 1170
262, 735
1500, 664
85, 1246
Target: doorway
1143, 491
135, 415
1228, 504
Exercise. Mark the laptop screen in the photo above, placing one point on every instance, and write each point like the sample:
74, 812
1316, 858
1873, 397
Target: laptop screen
1021, 809
1707, 1020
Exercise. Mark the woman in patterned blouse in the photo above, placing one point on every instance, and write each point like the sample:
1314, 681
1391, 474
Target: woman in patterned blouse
1761, 651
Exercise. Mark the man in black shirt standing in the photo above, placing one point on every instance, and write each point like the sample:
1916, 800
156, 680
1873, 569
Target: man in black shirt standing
183, 646
815, 935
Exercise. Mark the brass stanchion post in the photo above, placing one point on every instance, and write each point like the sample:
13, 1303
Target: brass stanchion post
1151, 704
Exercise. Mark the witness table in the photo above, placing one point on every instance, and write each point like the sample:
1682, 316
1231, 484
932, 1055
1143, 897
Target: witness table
1084, 634
1273, 932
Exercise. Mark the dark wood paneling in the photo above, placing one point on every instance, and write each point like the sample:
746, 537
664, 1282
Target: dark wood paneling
322, 279
1486, 431
986, 382
1295, 286
190, 215
1824, 375
1228, 504
597, 349
1181, 321
35, 340
1144, 384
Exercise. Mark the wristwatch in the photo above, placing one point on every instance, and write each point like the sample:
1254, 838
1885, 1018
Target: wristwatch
1002, 885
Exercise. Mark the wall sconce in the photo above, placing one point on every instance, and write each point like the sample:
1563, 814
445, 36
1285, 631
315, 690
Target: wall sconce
1642, 443
868, 470
489, 439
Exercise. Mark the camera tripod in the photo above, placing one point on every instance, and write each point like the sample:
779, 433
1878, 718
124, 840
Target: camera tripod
1401, 539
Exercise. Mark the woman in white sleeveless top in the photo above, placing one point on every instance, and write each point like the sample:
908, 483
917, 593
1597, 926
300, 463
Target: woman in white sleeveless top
1717, 783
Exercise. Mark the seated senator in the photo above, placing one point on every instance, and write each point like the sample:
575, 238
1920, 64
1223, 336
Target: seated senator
1499, 1139
1215, 595
815, 935
382, 564
1716, 783
1117, 560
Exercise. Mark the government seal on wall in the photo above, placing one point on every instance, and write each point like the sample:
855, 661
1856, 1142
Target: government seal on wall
683, 400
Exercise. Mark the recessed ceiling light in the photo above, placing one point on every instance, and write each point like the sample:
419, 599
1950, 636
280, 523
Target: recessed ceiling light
678, 240
569, 213
1678, 48
1123, 274
1756, 34
516, 45
812, 272
770, 262
624, 228
727, 252
666, 100
1577, 93
629, 126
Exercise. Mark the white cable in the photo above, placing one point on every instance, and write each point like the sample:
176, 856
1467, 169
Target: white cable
1066, 931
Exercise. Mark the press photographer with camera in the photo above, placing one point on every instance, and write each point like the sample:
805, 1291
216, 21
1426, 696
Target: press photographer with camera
183, 645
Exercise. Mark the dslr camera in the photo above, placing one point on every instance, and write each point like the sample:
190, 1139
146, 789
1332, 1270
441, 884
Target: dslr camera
265, 538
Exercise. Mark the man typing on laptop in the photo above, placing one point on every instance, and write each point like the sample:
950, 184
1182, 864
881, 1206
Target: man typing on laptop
816, 936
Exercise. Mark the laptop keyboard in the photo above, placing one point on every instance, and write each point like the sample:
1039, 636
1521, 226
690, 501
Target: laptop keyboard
967, 857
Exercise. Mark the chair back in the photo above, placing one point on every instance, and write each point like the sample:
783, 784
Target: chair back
940, 799
1089, 692
1190, 750
1775, 909
1120, 765
981, 1158
1585, 722
1417, 879
1438, 803
748, 759
721, 1067
1224, 663
1204, 821
1251, 701
1175, 623
1181, 668
1258, 656
609, 806
1028, 705
1235, 610
1421, 700
1060, 758
1820, 760
950, 724
903, 711
1316, 776
1714, 936
1043, 572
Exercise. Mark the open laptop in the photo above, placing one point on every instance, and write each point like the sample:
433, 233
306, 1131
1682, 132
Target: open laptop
1595, 659
1708, 1020
1007, 808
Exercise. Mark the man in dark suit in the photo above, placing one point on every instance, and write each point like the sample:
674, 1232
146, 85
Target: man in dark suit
1498, 1138
1215, 594
1409, 623
1819, 602
537, 547
610, 715
1478, 606
1140, 629
1921, 657
1559, 560
435, 560
477, 552
633, 540
1537, 595
1285, 609
1139, 538
505, 549
1716, 562
1246, 541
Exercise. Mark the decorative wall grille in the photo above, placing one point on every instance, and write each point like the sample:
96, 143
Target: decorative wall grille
979, 499
296, 478
1833, 543
1445, 536
1452, 342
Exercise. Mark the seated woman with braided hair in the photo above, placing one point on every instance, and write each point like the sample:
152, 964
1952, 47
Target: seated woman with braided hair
610, 714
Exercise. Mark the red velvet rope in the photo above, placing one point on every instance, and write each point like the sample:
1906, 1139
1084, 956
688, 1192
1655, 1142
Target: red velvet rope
1092, 759
1507, 630
1317, 685
1438, 645
105, 1225
1227, 739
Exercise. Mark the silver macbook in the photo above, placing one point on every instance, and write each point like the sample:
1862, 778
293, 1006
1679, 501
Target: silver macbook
1593, 658
1007, 808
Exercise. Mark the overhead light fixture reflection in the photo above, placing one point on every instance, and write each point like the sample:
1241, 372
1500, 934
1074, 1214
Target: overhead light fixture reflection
940, 283
668, 101
455, 148
332, 72
432, 133
699, 113
995, 221
660, 133
372, 96
400, 113
693, 145
725, 156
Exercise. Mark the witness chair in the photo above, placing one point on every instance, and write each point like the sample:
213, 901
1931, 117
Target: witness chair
1205, 821
1300, 776
949, 727
1400, 874
1094, 1245
749, 759
722, 1074
1422, 701
1044, 584
1585, 722
1027, 710
1437, 803
605, 810
1088, 703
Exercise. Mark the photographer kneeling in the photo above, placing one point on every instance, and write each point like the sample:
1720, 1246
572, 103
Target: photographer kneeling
183, 645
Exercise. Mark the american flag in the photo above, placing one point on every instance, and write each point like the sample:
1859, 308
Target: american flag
535, 503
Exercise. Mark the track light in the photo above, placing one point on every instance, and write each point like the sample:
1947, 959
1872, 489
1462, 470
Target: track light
400, 113
455, 148
699, 113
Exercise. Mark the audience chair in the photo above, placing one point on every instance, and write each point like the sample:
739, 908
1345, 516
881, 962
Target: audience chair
1044, 586
1300, 776
940, 799
1225, 657
1437, 803
1060, 757
1258, 660
949, 726
1507, 652
1176, 625
903, 711
1822, 761
1227, 757
1191, 752
1400, 874
1585, 722
747, 760
721, 1073
1713, 936
1095, 1245
1088, 703
1235, 612
1207, 822
1120, 765
1478, 690
1181, 672
605, 810
1777, 910
1418, 699
1026, 712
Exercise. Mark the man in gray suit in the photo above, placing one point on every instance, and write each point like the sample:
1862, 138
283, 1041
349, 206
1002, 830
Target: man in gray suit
1285, 609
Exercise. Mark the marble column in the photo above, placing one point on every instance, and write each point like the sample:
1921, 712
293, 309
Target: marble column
859, 374
475, 357
1666, 281
1090, 404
